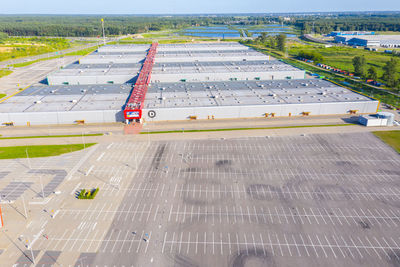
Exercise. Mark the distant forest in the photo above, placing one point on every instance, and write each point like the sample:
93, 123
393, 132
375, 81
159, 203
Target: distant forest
90, 25
348, 22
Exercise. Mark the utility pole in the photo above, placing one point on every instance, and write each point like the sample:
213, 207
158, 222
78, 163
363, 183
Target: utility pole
1, 217
27, 156
83, 140
30, 247
104, 33
23, 201
313, 28
41, 184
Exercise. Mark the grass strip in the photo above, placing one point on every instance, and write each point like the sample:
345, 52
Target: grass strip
14, 152
5, 72
88, 194
244, 129
50, 136
392, 138
82, 52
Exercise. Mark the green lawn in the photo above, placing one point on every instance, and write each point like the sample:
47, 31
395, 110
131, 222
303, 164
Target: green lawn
158, 34
341, 57
2, 95
358, 86
82, 52
16, 47
5, 72
14, 152
392, 138
50, 136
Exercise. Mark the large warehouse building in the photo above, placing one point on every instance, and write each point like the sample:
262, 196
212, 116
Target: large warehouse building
187, 81
370, 40
245, 99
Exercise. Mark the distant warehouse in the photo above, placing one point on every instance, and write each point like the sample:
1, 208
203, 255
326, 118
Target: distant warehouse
370, 40
350, 33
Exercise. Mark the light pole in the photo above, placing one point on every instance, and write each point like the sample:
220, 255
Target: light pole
27, 156
1, 217
104, 33
83, 141
82, 261
33, 257
23, 202
41, 184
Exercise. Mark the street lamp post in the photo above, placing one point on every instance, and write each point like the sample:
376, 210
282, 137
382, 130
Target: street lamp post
27, 156
23, 202
30, 247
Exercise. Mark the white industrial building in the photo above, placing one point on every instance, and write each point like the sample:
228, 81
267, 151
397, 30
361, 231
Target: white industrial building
222, 80
245, 99
124, 48
66, 104
197, 56
224, 71
174, 47
201, 47
100, 58
370, 40
180, 101
93, 76
379, 119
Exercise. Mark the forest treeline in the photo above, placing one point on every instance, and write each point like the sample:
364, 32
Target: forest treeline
360, 22
90, 25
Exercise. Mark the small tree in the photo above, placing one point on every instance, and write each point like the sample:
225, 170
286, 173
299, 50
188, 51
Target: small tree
3, 36
372, 73
390, 72
281, 42
359, 65
263, 37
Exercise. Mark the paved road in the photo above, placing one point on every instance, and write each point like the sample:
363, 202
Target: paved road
32, 74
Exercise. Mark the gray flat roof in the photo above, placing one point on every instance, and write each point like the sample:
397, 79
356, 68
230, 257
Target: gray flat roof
138, 56
225, 67
208, 53
104, 66
170, 95
213, 44
202, 64
37, 90
377, 37
97, 72
234, 93
178, 52
68, 98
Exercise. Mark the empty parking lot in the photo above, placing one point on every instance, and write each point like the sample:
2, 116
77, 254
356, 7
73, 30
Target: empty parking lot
311, 200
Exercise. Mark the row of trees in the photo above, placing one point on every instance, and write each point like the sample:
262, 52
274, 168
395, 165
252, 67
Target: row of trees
312, 55
277, 42
390, 71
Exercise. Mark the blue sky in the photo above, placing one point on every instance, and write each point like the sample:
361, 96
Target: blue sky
190, 6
